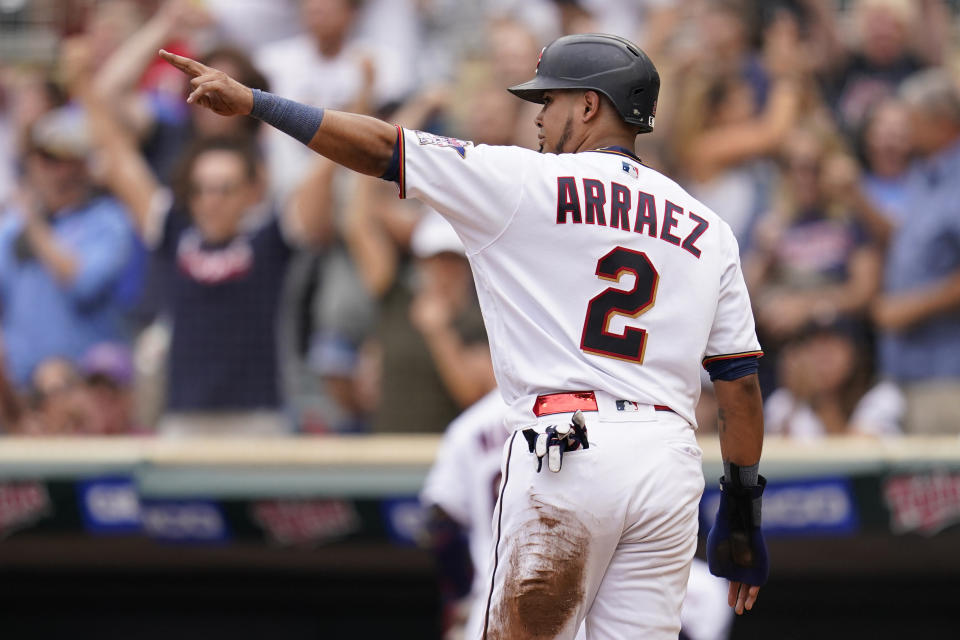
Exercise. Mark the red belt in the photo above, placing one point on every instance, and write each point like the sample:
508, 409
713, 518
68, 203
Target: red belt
569, 402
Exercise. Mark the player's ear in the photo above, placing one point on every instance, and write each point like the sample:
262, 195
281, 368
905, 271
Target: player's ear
591, 105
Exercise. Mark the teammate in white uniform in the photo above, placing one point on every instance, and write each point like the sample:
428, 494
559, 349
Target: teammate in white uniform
464, 483
604, 286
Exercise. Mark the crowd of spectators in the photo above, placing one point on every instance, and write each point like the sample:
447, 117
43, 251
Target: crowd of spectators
167, 270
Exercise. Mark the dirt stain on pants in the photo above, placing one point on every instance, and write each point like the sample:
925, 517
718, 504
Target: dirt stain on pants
544, 581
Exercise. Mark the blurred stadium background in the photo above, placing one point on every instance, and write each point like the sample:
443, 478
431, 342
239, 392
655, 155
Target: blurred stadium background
227, 364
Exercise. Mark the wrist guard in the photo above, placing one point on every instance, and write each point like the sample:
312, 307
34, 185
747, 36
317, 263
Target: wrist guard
735, 546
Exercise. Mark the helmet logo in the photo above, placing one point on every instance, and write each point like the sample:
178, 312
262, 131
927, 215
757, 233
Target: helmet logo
539, 58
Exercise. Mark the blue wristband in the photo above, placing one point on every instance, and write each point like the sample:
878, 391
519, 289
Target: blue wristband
296, 120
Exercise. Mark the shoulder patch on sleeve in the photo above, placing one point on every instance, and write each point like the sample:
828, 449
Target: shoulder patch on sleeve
460, 146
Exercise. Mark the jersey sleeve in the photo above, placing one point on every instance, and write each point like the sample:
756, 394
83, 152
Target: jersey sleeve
733, 334
477, 188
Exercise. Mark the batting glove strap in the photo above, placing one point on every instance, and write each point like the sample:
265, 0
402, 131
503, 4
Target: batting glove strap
735, 546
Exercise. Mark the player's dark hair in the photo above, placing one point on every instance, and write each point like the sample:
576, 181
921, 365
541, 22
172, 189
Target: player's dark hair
244, 146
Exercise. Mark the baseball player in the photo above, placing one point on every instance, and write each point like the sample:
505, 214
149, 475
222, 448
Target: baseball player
604, 287
466, 494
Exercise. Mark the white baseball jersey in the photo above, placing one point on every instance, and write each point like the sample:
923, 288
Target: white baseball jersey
594, 272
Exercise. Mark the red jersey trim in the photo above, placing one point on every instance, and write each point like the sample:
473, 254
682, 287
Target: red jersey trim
402, 181
733, 356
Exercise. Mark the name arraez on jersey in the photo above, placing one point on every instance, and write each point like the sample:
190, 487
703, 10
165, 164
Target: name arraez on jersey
616, 206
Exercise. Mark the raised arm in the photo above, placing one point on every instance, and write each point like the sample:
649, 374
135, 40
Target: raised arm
373, 250
358, 142
727, 145
124, 171
117, 78
310, 210
825, 48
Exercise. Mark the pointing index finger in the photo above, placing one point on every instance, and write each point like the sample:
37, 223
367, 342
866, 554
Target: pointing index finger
188, 66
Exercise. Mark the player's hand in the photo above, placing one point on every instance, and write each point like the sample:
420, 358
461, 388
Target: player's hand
213, 89
742, 597
735, 546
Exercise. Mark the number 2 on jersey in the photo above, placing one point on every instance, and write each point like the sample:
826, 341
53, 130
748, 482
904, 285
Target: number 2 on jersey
597, 338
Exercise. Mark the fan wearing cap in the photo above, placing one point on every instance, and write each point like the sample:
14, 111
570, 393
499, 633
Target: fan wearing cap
62, 252
108, 371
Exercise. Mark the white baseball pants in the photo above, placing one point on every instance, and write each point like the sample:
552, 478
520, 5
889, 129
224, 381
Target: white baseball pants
608, 540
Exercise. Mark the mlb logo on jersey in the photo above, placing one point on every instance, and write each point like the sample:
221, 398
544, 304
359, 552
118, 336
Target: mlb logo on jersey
460, 146
627, 405
631, 170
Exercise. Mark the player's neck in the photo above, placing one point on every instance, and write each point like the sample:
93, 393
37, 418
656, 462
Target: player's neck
592, 143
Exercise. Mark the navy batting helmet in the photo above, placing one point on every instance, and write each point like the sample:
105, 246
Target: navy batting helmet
611, 65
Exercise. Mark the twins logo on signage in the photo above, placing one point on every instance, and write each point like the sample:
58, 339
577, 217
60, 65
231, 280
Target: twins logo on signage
22, 504
925, 503
298, 522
